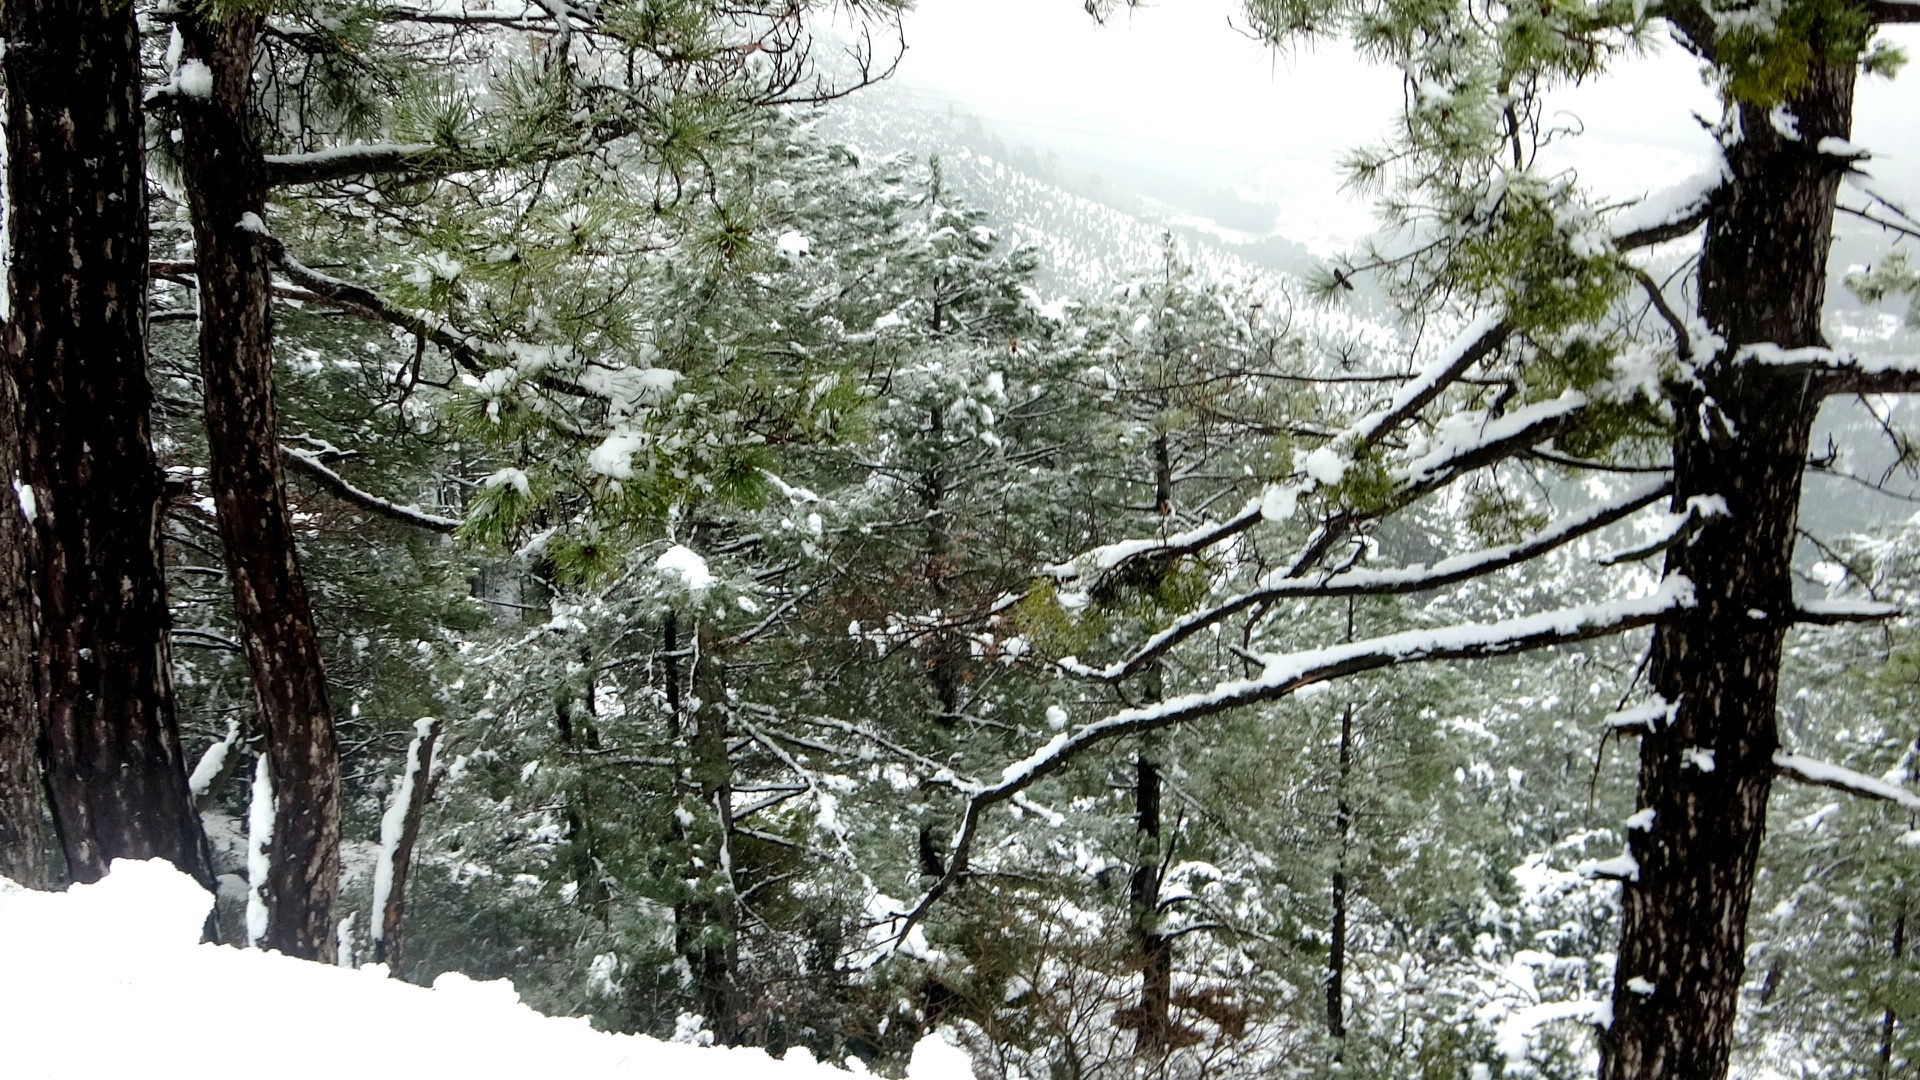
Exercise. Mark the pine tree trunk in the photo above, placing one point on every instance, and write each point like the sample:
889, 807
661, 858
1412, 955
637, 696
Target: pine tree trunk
1883, 1062
1154, 1009
23, 836
944, 664
226, 192
707, 926
1337, 932
75, 347
1744, 437
1143, 889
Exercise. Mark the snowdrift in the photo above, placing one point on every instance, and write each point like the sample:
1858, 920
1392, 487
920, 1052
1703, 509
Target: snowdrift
109, 980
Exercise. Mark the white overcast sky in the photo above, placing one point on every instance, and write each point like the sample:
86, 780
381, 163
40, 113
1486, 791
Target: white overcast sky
1177, 83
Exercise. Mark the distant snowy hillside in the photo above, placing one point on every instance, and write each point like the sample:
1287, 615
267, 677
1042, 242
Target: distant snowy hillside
1090, 244
1096, 225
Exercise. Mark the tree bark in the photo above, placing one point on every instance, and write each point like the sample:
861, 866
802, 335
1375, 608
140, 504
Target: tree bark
226, 186
75, 348
23, 836
1742, 435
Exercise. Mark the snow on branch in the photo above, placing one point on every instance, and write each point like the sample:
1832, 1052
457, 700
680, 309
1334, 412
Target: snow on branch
1670, 214
1460, 441
1288, 673
1475, 343
1845, 610
1460, 445
1384, 582
333, 482
1823, 774
475, 355
1838, 372
358, 159
1677, 527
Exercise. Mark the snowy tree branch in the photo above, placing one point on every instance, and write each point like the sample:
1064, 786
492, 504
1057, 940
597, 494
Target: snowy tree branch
1289, 673
1840, 612
338, 485
1478, 341
1821, 774
1837, 372
1388, 582
472, 354
367, 159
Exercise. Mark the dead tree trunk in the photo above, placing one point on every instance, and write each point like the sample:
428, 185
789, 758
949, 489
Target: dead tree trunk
225, 178
1742, 435
410, 801
75, 347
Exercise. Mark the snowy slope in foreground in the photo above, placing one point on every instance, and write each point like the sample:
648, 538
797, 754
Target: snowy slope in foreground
109, 981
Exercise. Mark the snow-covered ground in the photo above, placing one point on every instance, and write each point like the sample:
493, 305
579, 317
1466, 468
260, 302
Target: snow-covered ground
110, 980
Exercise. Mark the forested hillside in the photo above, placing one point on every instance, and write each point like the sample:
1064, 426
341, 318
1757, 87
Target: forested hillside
597, 494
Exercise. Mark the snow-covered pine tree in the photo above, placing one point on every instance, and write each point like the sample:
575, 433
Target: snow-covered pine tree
1549, 374
652, 85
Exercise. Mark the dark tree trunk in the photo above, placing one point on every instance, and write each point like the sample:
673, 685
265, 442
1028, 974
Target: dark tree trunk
23, 834
943, 669
389, 947
75, 346
1153, 1012
1143, 889
1337, 933
706, 923
226, 192
1889, 1019
1742, 436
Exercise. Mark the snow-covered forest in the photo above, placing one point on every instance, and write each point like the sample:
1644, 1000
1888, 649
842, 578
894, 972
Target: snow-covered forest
612, 495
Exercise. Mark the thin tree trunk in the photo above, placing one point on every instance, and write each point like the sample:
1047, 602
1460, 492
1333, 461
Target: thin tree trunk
226, 186
705, 923
75, 347
1889, 1020
1143, 889
1337, 933
410, 802
1154, 1009
944, 667
1742, 436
